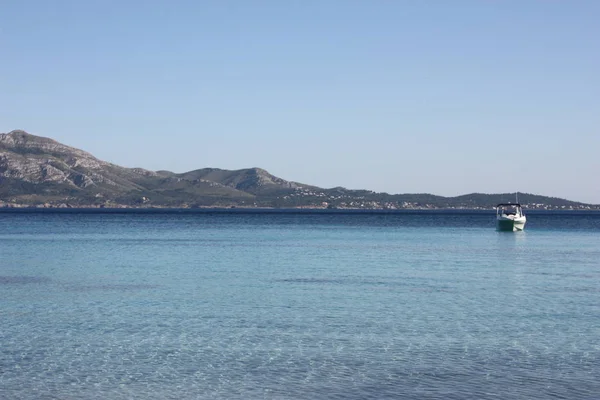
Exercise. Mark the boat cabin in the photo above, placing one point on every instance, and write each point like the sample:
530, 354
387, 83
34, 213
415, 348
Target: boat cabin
509, 209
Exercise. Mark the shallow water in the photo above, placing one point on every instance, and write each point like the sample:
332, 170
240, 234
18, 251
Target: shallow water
298, 306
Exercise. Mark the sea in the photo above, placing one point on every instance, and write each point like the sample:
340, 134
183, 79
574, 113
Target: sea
263, 304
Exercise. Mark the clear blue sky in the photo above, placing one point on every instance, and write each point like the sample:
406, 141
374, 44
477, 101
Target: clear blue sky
444, 97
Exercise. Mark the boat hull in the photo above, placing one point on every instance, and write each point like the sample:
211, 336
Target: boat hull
510, 225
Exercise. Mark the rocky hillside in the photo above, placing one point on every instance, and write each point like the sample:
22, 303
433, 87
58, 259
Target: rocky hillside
38, 171
38, 160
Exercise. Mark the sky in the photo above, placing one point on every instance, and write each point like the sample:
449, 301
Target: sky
397, 96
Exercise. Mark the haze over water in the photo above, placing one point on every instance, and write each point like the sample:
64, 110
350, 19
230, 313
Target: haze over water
298, 306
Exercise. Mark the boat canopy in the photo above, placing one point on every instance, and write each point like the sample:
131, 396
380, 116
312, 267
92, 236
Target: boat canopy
508, 205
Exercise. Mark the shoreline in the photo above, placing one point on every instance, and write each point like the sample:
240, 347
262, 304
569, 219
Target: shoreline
272, 210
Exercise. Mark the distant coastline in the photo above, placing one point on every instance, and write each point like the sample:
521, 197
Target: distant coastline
257, 210
39, 172
369, 206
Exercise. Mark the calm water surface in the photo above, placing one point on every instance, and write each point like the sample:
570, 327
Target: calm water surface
298, 306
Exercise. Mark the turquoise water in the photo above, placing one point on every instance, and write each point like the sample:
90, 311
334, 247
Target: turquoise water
298, 306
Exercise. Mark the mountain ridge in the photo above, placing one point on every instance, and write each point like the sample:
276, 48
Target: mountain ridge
38, 171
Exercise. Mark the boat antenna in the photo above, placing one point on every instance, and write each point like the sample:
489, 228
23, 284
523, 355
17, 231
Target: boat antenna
517, 196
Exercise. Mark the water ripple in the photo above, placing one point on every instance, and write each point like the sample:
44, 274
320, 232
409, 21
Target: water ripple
22, 280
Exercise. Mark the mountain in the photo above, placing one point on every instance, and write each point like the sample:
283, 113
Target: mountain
38, 171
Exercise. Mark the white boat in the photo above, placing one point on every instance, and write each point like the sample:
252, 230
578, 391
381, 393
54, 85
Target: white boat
510, 217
